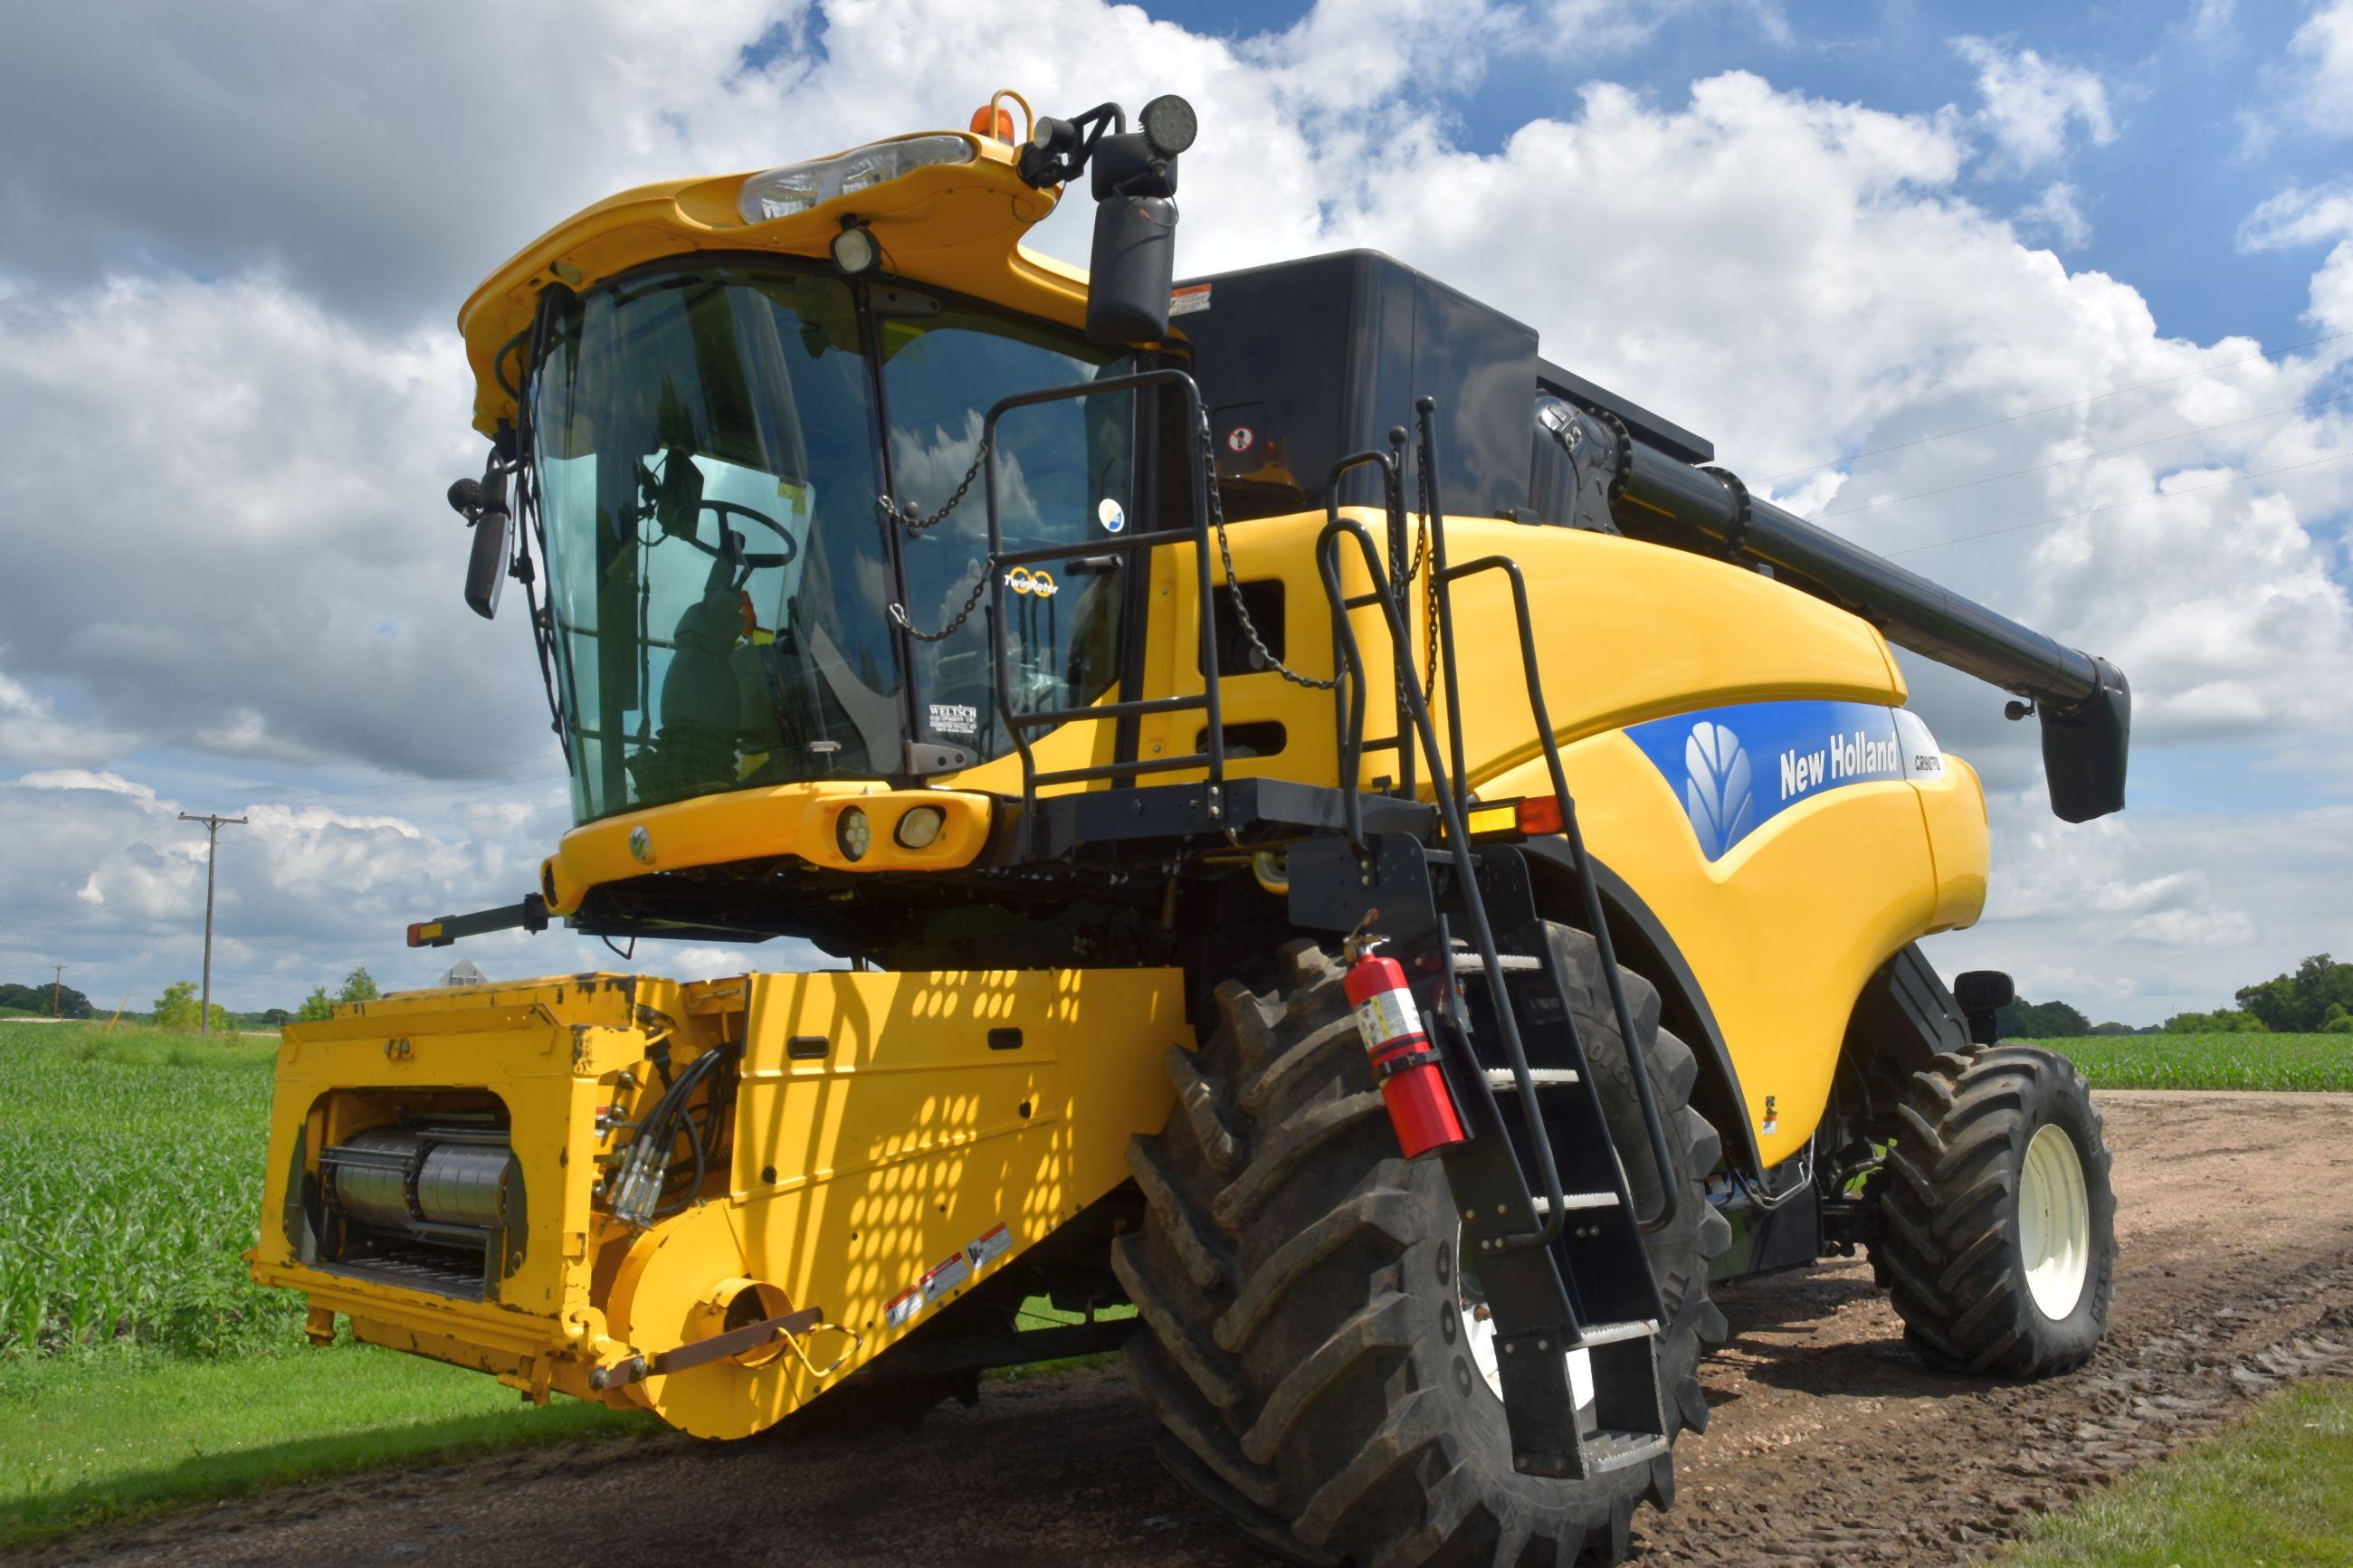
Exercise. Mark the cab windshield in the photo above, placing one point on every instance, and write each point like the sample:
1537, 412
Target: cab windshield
710, 442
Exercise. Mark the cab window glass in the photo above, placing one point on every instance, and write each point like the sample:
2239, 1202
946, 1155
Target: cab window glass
1063, 477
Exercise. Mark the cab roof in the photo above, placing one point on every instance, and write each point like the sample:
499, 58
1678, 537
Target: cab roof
954, 225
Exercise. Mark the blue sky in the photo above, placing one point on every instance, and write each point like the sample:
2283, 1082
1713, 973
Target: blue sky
230, 394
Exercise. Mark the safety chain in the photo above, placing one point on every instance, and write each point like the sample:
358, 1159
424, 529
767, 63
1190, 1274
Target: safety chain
892, 511
1233, 589
913, 524
971, 603
1430, 589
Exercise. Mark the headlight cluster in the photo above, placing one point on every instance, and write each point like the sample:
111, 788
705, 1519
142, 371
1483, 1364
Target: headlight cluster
918, 828
797, 187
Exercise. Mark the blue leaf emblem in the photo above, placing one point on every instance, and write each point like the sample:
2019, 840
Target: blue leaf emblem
1716, 794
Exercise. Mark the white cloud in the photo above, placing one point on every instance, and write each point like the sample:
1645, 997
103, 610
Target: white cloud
2308, 215
2032, 103
2105, 915
2320, 74
2056, 213
2300, 215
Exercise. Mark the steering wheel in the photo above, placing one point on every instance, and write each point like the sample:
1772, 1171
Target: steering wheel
764, 558
744, 558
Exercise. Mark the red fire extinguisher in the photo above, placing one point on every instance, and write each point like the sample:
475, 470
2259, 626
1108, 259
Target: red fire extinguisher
1412, 1087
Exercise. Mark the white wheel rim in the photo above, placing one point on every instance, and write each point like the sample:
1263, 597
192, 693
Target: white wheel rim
1479, 1336
2055, 1222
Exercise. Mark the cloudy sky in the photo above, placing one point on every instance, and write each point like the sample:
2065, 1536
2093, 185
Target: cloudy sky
2056, 309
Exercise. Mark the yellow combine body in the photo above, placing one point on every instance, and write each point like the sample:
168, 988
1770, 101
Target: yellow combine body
1272, 896
888, 1129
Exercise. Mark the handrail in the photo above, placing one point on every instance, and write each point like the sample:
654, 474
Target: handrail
1328, 561
1645, 1095
1349, 696
1019, 723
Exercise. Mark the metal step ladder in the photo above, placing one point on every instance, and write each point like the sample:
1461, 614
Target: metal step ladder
1547, 1215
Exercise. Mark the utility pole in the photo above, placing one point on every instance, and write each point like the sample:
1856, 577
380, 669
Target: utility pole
56, 984
213, 824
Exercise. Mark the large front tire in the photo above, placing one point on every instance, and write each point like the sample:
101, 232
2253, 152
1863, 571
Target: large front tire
1305, 1344
1999, 1245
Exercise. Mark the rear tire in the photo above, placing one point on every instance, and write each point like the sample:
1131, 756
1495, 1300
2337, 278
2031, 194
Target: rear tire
1999, 1245
1304, 1340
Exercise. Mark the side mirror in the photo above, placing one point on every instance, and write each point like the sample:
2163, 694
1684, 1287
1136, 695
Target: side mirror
1134, 261
1982, 993
1131, 270
486, 567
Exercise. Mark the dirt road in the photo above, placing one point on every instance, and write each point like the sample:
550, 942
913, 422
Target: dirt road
1829, 1443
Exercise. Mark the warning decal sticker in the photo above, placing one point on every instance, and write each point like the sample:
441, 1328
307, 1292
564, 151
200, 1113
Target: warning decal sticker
903, 1308
943, 1278
990, 1244
1191, 297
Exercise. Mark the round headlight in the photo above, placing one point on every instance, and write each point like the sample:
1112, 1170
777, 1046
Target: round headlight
854, 250
851, 831
920, 826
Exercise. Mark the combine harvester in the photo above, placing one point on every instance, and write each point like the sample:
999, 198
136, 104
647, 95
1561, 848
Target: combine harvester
1407, 928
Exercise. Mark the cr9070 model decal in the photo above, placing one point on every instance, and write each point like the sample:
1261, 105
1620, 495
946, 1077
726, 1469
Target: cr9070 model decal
1737, 768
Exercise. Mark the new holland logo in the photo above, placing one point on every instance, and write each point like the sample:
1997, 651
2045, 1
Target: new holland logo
1717, 795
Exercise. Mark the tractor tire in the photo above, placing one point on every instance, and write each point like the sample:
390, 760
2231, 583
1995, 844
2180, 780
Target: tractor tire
1306, 1344
1997, 1240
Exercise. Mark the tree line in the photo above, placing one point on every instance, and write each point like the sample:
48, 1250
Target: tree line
2314, 998
69, 1002
180, 1006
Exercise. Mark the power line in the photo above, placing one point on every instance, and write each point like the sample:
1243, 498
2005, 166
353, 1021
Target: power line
2053, 408
213, 823
2119, 506
2086, 457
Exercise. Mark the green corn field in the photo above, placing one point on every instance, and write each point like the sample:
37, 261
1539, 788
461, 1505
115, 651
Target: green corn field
2302, 1062
130, 1180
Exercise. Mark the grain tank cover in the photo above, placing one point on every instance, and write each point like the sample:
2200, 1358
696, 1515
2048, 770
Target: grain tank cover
1303, 362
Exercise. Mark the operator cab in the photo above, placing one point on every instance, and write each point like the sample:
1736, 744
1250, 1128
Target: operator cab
728, 609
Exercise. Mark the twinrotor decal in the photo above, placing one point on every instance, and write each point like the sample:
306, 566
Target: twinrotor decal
1024, 580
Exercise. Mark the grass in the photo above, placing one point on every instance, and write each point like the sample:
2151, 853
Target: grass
2212, 1061
2278, 1490
114, 1434
139, 1364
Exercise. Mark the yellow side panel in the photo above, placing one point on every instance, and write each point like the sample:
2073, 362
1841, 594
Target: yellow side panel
1782, 932
917, 1114
1628, 631
1279, 549
1960, 841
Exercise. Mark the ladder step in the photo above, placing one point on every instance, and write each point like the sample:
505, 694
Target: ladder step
1501, 1080
1606, 1451
1510, 963
1611, 1333
1576, 1201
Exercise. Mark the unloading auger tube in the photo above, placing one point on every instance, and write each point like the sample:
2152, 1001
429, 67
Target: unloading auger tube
2084, 701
